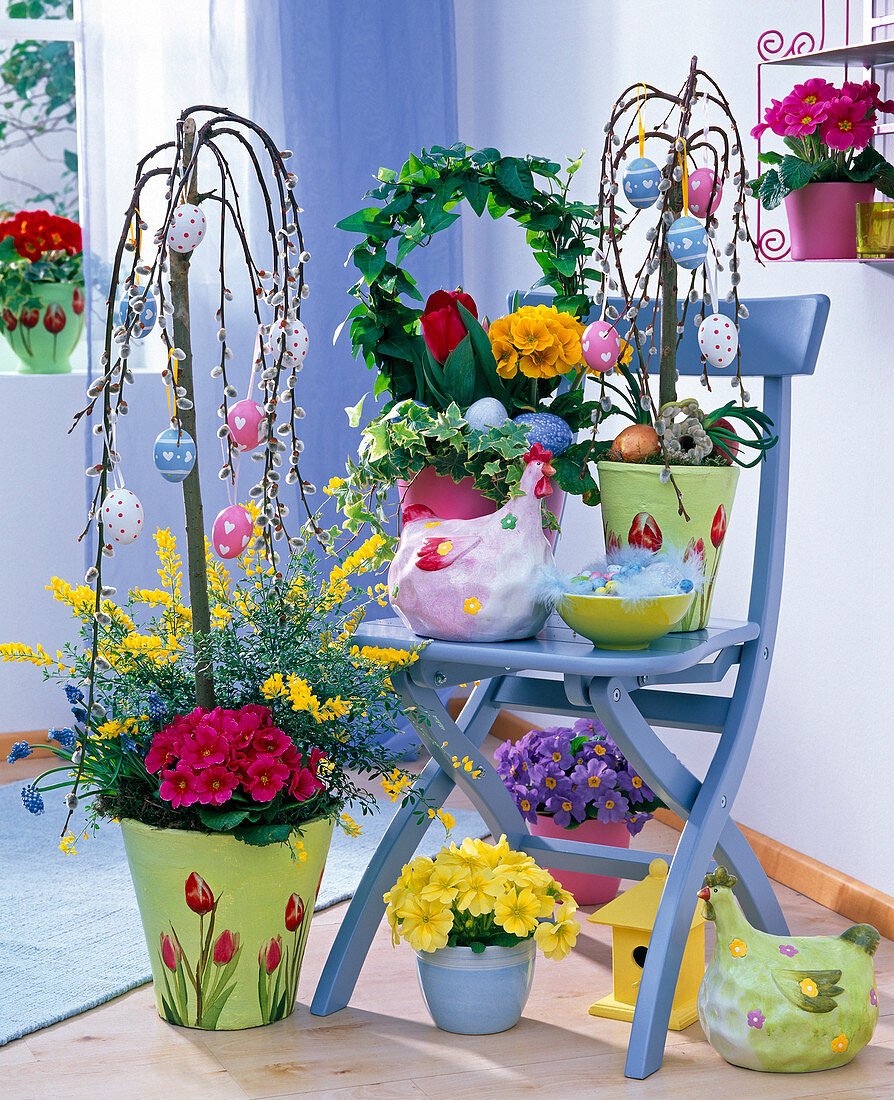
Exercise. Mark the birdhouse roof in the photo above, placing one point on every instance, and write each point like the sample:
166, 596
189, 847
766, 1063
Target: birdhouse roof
637, 907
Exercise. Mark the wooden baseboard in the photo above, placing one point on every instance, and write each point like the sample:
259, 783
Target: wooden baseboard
822, 884
37, 738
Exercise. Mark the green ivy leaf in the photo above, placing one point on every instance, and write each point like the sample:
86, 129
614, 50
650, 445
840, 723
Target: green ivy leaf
514, 176
355, 412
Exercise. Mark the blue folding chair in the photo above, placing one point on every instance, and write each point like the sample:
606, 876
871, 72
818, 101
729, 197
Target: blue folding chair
628, 691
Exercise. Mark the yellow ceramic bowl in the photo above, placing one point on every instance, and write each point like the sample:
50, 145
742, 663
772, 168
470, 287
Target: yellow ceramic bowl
608, 625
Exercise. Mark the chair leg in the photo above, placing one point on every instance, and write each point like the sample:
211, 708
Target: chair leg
754, 891
349, 950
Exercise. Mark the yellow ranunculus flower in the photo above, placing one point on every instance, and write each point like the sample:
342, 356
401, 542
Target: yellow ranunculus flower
426, 925
517, 912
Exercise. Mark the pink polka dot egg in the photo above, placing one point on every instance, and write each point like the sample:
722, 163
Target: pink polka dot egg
231, 532
122, 516
718, 340
187, 228
296, 339
248, 424
601, 346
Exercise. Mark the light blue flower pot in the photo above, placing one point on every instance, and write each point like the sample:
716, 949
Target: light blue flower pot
473, 994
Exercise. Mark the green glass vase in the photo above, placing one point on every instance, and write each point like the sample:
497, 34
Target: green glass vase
43, 337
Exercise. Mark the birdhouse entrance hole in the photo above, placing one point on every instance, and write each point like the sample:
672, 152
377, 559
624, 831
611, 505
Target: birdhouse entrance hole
639, 955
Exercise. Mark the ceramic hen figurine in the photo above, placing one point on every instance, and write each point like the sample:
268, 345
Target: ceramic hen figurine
784, 1003
475, 579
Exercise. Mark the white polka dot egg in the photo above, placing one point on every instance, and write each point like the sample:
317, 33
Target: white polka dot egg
295, 342
718, 340
187, 228
122, 516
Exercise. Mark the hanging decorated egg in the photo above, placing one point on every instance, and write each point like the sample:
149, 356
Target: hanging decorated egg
147, 319
186, 229
296, 338
122, 516
231, 532
601, 346
702, 182
247, 422
687, 242
486, 413
175, 454
641, 182
718, 340
548, 430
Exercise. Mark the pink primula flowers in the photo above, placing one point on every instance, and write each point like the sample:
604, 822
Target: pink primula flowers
205, 756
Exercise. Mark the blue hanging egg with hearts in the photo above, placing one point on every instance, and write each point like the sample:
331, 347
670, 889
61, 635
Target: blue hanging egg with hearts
175, 454
641, 182
147, 319
687, 242
548, 430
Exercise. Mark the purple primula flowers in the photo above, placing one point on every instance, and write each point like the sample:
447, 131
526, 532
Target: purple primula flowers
574, 774
756, 1018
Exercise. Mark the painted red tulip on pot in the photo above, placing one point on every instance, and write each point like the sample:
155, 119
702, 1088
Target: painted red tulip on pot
270, 955
170, 952
29, 317
442, 326
54, 318
77, 300
10, 320
613, 542
718, 527
696, 549
198, 897
294, 913
225, 947
644, 532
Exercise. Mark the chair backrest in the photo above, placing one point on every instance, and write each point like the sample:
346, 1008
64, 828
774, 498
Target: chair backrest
780, 338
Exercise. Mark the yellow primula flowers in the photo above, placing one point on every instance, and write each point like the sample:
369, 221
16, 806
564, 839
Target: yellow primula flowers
478, 893
539, 341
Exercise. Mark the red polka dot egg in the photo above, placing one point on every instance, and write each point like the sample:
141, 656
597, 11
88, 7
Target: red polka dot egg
296, 339
187, 228
718, 340
122, 516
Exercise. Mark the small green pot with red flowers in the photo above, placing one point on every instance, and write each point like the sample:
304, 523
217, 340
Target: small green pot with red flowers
41, 290
226, 922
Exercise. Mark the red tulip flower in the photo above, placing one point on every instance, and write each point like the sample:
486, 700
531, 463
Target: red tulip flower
10, 320
77, 301
294, 913
170, 952
270, 955
442, 326
718, 527
225, 947
54, 319
612, 542
29, 317
198, 896
645, 532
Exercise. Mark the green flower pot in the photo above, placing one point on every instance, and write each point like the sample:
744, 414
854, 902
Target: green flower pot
638, 510
44, 337
226, 923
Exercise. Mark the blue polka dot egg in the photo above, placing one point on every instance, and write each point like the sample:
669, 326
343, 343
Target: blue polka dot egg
175, 454
641, 182
548, 430
687, 242
148, 316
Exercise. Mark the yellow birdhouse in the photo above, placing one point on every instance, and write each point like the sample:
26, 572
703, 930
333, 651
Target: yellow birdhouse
632, 917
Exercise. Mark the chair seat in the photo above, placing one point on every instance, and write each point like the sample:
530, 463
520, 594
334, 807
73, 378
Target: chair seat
558, 649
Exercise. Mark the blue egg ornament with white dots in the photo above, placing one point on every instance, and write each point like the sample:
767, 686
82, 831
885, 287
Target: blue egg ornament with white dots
687, 242
548, 430
641, 182
147, 319
175, 454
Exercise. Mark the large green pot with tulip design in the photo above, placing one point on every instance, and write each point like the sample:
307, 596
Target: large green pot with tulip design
44, 336
638, 509
226, 922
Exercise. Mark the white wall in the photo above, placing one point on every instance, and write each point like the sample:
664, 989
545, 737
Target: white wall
541, 78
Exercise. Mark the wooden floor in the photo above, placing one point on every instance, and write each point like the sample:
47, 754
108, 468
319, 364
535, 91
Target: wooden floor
385, 1046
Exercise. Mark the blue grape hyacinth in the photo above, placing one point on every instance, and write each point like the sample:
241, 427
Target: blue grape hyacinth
156, 707
66, 737
20, 750
32, 799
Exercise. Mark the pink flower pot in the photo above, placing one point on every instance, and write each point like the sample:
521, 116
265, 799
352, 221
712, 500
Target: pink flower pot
587, 889
449, 499
822, 219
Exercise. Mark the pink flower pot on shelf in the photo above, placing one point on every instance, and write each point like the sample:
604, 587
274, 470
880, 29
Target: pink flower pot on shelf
587, 889
822, 219
449, 499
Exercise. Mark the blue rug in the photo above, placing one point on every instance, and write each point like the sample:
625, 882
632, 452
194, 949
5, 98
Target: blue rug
70, 932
